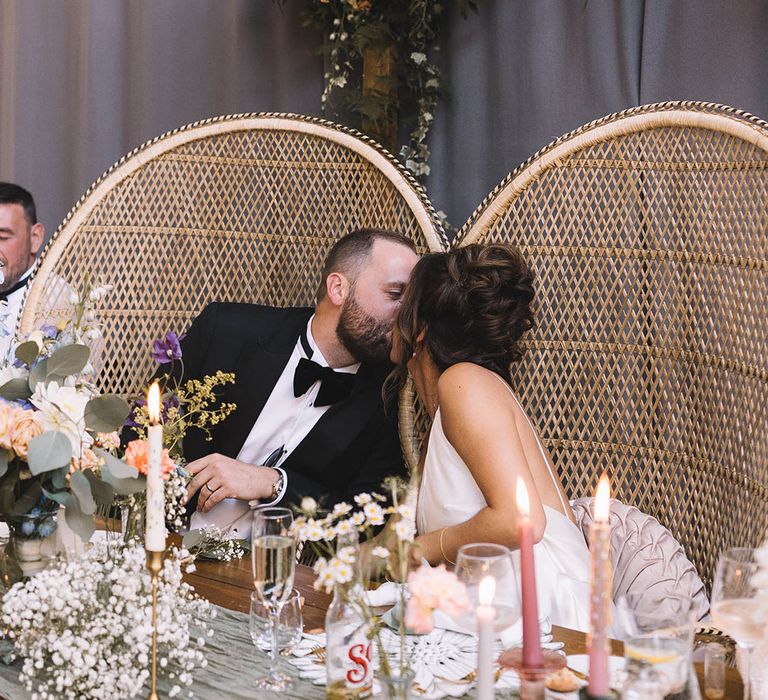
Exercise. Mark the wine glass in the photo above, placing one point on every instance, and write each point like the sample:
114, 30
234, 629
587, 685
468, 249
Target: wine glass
273, 557
476, 561
734, 607
290, 628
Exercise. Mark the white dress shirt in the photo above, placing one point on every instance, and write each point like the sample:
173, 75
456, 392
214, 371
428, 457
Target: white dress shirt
9, 316
284, 422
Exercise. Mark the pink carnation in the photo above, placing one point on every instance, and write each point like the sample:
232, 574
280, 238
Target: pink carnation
433, 589
137, 456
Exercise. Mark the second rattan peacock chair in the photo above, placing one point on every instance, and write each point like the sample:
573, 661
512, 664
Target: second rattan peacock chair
237, 208
649, 357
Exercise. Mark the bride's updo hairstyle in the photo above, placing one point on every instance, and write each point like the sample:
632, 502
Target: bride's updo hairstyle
473, 304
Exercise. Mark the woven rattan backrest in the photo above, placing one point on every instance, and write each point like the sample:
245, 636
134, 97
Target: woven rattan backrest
649, 359
240, 208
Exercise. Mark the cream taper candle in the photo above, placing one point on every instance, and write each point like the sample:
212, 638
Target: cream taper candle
485, 617
154, 527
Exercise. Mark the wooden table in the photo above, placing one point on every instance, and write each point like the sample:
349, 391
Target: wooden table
229, 584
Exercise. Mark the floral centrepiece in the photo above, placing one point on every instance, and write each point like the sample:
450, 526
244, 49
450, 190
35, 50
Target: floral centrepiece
57, 431
84, 627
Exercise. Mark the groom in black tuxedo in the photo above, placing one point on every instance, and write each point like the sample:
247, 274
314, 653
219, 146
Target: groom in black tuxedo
310, 419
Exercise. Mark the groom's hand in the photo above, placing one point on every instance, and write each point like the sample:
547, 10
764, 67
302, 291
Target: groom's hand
217, 477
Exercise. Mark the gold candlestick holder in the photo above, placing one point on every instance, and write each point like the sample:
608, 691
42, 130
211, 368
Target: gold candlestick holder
155, 566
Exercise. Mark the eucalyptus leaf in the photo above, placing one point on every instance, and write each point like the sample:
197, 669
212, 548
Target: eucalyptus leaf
59, 478
126, 487
116, 467
27, 500
68, 360
103, 493
8, 489
81, 488
60, 497
3, 463
106, 413
49, 451
191, 539
38, 374
124, 479
81, 524
15, 390
28, 352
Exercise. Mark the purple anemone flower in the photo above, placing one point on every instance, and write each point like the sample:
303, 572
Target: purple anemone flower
167, 349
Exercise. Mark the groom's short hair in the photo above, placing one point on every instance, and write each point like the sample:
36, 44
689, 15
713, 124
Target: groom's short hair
350, 254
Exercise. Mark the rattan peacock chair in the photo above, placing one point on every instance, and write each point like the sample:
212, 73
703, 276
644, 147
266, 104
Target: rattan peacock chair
237, 208
649, 358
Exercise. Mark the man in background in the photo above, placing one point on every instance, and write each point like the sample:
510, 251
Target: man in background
21, 238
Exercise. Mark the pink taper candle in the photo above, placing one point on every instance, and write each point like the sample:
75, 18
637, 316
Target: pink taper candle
532, 657
600, 594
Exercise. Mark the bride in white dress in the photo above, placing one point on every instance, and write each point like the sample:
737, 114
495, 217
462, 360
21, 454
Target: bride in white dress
457, 333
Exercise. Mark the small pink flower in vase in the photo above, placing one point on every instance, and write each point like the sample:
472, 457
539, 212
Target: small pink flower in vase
433, 589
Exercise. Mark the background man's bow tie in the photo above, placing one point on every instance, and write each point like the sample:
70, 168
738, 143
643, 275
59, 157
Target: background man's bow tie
21, 283
334, 386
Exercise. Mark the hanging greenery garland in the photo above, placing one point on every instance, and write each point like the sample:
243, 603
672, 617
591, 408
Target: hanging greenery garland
392, 41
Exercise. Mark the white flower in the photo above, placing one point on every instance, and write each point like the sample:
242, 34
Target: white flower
341, 509
309, 505
342, 572
362, 498
62, 408
10, 372
405, 531
418, 58
358, 519
313, 531
374, 514
344, 527
345, 555
37, 338
74, 298
380, 552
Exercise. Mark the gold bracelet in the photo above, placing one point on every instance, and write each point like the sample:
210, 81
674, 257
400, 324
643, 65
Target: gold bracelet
442, 551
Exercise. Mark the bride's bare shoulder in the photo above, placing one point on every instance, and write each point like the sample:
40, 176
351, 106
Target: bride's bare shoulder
468, 384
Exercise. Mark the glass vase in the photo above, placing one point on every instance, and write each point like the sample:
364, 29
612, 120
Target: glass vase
31, 544
397, 685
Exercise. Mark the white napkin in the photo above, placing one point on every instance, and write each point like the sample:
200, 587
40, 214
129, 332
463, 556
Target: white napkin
388, 594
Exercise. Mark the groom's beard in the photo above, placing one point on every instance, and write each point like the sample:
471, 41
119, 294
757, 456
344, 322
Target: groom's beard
366, 337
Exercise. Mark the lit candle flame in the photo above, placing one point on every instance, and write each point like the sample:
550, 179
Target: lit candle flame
153, 403
523, 504
602, 499
486, 591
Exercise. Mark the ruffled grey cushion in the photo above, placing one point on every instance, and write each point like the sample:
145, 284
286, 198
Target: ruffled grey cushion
646, 558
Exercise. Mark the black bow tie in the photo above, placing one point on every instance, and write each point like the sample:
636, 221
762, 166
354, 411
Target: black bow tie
21, 283
334, 386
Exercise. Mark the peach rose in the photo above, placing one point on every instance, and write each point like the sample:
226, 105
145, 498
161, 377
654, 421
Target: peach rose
25, 427
6, 425
137, 456
89, 460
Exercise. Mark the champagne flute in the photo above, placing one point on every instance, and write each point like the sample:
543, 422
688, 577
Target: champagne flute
273, 557
734, 607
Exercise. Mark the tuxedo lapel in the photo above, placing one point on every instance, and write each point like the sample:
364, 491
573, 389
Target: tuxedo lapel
257, 371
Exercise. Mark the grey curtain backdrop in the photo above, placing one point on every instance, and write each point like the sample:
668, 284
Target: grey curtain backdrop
82, 82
